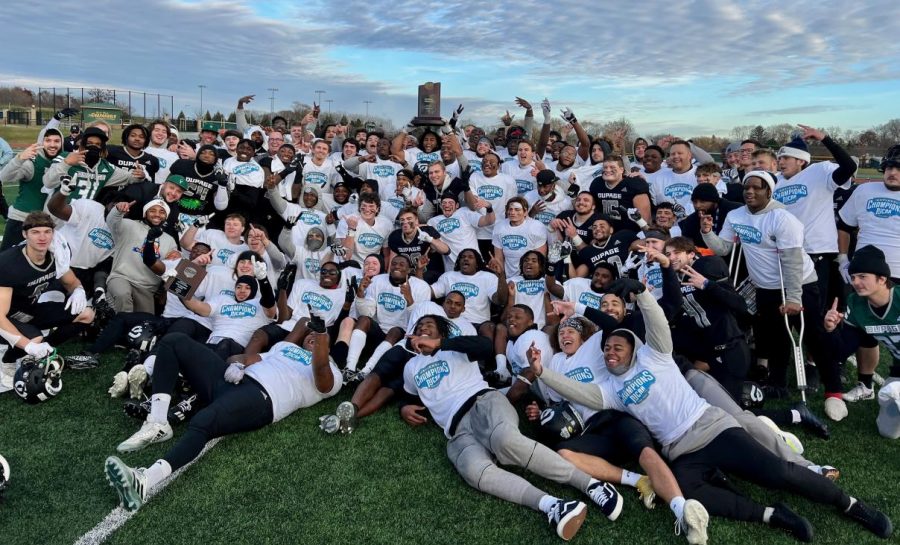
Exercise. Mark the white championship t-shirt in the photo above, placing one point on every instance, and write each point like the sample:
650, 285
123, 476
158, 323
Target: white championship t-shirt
88, 232
875, 209
478, 289
809, 196
516, 240
585, 365
497, 191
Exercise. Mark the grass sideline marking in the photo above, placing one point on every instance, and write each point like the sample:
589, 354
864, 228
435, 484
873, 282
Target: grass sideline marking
119, 516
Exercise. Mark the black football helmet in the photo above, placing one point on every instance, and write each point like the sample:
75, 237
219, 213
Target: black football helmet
4, 475
752, 396
559, 422
39, 379
143, 337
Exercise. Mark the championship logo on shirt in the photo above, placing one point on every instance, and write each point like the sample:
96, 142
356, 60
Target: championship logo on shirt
432, 374
466, 288
524, 186
427, 157
883, 207
246, 168
162, 163
654, 277
581, 374
383, 171
490, 192
590, 299
455, 331
790, 194
678, 190
297, 354
101, 238
140, 249
370, 240
238, 310
448, 225
315, 178
636, 389
748, 233
311, 265
308, 218
476, 165
223, 255
316, 301
391, 302
530, 287
545, 217
397, 202
513, 242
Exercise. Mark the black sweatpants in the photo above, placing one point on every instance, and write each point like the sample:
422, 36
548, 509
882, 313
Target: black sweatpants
230, 408
124, 321
729, 365
616, 437
735, 452
47, 315
770, 330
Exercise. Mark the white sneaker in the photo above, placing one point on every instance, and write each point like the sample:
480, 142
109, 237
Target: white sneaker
859, 393
119, 385
789, 438
137, 378
835, 409
130, 484
150, 433
694, 520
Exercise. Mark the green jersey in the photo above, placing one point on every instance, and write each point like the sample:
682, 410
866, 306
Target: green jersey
885, 328
88, 181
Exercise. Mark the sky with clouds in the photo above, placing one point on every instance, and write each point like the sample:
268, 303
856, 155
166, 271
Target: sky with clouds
690, 67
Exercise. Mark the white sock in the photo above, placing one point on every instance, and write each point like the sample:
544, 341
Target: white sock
795, 416
159, 408
677, 506
376, 355
547, 503
767, 514
150, 363
355, 348
501, 363
157, 472
630, 478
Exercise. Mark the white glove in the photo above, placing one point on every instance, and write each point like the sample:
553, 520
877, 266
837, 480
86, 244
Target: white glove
633, 261
169, 273
503, 373
259, 268
844, 267
545, 109
569, 116
67, 184
235, 373
38, 350
77, 301
425, 237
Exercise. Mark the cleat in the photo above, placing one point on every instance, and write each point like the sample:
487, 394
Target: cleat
789, 438
566, 517
129, 483
346, 413
329, 424
183, 411
137, 379
150, 433
119, 385
607, 498
791, 522
138, 410
860, 392
830, 472
835, 408
871, 519
811, 422
82, 361
693, 522
646, 492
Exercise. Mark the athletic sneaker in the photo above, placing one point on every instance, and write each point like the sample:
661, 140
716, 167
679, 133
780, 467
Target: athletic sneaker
860, 392
119, 385
835, 409
346, 413
811, 422
130, 484
872, 519
566, 517
791, 522
607, 498
330, 424
137, 378
183, 410
789, 438
138, 410
830, 472
150, 433
82, 361
694, 520
646, 492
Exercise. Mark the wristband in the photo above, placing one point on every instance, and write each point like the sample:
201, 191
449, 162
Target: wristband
642, 223
576, 240
523, 379
351, 233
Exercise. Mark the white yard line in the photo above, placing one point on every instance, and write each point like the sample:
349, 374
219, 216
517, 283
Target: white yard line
119, 516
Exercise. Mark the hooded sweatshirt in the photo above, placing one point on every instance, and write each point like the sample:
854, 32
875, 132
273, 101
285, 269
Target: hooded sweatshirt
30, 175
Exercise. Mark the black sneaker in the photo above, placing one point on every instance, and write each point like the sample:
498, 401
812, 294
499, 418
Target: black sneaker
607, 498
872, 519
566, 517
183, 411
137, 409
132, 358
811, 422
791, 522
84, 360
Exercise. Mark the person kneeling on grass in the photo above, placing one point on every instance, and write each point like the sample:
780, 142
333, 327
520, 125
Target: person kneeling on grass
483, 428
697, 438
296, 373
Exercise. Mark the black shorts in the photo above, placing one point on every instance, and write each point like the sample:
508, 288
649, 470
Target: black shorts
614, 436
390, 367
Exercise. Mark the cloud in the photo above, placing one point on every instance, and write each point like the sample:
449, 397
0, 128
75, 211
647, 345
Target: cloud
811, 109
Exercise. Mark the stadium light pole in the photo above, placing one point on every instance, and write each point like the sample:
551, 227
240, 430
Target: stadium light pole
329, 101
202, 87
319, 97
272, 99
367, 108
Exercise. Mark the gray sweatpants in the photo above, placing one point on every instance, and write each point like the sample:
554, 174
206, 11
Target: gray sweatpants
709, 389
489, 435
128, 297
